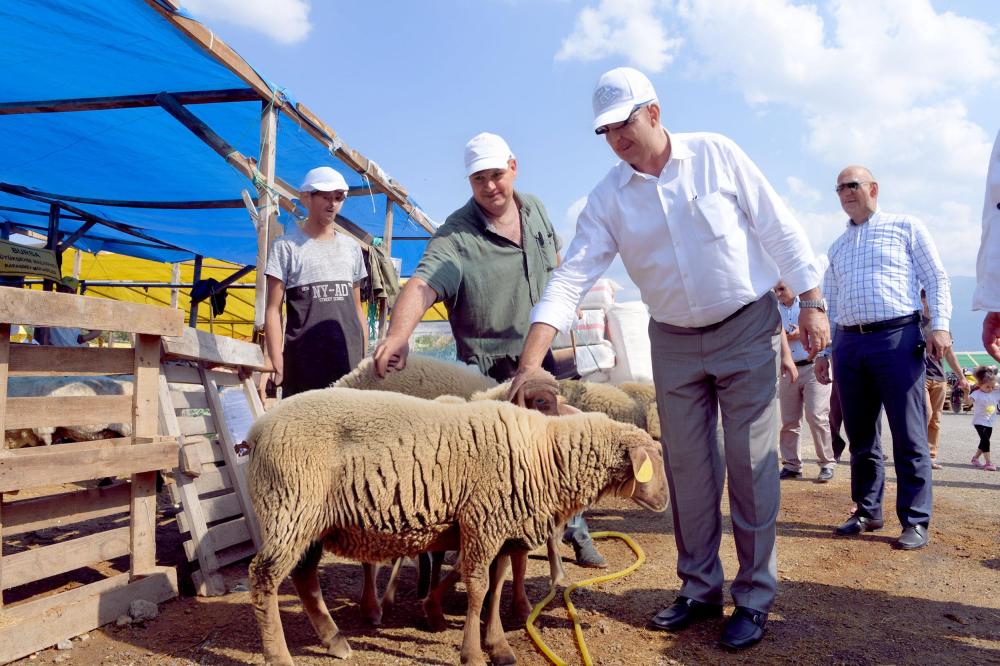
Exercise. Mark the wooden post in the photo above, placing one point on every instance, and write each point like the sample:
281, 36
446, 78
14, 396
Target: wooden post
193, 320
267, 207
145, 423
52, 243
4, 362
383, 313
175, 278
77, 263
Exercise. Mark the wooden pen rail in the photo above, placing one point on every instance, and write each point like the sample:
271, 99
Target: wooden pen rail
96, 525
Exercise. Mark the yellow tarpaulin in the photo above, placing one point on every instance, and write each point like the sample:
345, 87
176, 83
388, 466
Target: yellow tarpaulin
235, 322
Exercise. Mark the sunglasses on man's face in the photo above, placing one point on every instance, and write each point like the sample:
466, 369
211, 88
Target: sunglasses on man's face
604, 129
853, 185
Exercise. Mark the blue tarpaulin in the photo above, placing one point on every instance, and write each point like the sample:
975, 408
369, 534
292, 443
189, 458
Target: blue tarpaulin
86, 49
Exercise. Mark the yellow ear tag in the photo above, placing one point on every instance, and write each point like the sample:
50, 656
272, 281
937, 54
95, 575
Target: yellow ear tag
645, 473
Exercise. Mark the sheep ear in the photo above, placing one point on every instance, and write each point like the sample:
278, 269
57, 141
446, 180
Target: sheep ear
642, 466
546, 402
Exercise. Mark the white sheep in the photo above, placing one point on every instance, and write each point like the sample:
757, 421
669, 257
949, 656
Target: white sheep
374, 476
632, 402
423, 377
40, 387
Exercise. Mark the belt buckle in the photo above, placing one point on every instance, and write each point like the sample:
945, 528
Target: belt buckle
861, 329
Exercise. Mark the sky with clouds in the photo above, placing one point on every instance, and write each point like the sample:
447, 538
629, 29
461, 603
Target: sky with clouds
909, 88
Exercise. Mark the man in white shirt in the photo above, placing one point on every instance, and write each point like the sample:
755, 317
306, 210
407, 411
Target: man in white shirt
805, 396
705, 238
877, 268
987, 296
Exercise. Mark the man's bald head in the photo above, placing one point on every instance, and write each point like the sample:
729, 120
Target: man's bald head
858, 192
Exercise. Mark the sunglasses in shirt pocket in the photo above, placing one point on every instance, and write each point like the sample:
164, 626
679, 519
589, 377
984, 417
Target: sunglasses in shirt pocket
717, 211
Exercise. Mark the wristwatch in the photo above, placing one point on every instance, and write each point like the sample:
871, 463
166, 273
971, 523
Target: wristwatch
815, 303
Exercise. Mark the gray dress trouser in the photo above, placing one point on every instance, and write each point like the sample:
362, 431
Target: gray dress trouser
730, 367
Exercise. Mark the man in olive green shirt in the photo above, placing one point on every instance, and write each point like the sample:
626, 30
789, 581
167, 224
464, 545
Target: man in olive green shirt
488, 263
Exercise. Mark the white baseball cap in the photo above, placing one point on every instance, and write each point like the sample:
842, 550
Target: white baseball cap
486, 151
323, 179
618, 92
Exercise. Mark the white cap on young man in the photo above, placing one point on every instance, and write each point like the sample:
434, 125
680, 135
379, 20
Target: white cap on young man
323, 179
618, 93
486, 151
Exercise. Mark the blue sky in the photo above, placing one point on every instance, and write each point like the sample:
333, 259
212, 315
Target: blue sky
910, 88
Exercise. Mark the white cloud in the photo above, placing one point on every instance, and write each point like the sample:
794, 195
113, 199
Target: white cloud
285, 21
629, 28
800, 189
566, 227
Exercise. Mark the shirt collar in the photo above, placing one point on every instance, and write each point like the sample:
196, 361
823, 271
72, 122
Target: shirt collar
679, 150
480, 217
870, 219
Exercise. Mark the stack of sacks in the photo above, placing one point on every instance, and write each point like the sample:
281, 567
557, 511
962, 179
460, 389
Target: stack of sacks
595, 355
628, 325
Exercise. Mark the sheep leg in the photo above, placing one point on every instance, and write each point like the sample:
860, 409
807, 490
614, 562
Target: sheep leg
433, 610
520, 606
476, 583
389, 596
305, 576
557, 574
370, 609
424, 575
495, 641
267, 569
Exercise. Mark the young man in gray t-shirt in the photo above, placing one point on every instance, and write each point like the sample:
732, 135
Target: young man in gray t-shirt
318, 273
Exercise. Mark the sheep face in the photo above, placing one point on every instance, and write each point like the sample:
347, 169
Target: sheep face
646, 484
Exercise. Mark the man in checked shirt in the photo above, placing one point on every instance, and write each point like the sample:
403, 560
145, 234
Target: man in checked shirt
877, 268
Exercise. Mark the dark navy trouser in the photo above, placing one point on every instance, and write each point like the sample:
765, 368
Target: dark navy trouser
886, 368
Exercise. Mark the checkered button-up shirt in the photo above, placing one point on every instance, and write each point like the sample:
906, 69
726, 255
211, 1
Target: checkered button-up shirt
877, 269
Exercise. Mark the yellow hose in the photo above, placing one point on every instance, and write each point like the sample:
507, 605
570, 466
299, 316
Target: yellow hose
571, 609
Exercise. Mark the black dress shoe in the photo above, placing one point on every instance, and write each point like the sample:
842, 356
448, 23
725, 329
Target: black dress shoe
789, 474
857, 524
913, 537
682, 613
745, 627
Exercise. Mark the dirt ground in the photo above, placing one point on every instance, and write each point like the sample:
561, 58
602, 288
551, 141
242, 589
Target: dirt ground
841, 600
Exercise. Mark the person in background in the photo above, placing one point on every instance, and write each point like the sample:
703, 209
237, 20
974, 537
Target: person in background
488, 263
805, 396
936, 384
984, 414
705, 238
877, 267
987, 295
59, 336
317, 272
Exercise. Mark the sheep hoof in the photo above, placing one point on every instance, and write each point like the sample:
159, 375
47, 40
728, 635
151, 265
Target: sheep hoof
434, 615
499, 657
338, 647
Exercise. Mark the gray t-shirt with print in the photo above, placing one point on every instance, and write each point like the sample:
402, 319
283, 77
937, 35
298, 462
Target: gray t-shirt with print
323, 337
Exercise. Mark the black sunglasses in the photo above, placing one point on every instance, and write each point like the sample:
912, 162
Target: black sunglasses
853, 185
604, 129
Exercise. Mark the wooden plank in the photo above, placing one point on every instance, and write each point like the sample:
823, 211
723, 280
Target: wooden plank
40, 513
207, 450
253, 397
38, 563
142, 524
68, 411
213, 480
223, 535
31, 307
187, 493
197, 425
197, 345
236, 469
214, 510
226, 557
28, 627
36, 360
126, 102
267, 208
4, 365
186, 374
188, 400
66, 463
